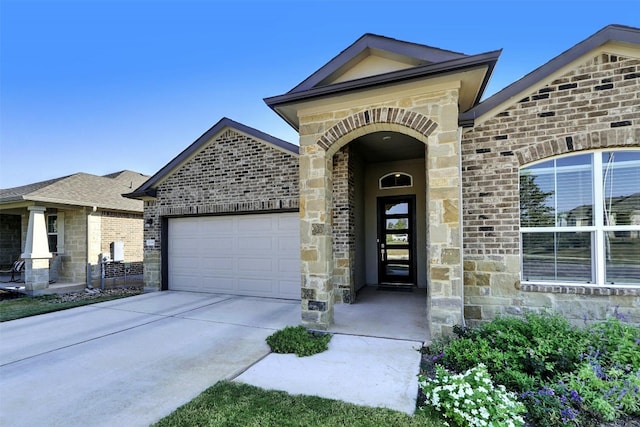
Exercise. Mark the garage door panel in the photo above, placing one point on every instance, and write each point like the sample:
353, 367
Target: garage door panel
255, 243
255, 223
213, 226
244, 254
255, 286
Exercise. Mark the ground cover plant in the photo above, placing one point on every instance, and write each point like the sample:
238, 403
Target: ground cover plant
298, 340
19, 306
581, 376
234, 404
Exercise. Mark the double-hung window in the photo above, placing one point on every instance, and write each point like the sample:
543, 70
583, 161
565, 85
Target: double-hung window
580, 219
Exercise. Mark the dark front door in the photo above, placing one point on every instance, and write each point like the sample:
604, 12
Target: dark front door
396, 240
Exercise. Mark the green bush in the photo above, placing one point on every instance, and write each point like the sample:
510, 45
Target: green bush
298, 340
562, 374
523, 353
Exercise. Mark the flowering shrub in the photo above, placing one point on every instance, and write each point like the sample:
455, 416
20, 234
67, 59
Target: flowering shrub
554, 406
471, 399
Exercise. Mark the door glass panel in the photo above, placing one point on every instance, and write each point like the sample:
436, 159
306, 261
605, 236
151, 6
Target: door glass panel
397, 223
398, 254
623, 256
396, 208
397, 239
393, 269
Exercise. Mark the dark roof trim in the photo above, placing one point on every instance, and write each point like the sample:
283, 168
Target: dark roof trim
374, 41
429, 70
609, 33
147, 189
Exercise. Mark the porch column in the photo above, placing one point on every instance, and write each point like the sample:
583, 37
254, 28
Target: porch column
36, 252
315, 237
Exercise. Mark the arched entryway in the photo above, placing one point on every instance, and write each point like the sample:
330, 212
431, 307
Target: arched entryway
333, 264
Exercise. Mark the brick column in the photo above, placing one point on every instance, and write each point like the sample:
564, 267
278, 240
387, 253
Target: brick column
36, 252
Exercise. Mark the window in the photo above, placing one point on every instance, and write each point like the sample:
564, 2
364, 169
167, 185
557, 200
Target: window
55, 232
580, 219
396, 180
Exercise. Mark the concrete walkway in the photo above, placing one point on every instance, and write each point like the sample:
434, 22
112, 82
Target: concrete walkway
131, 362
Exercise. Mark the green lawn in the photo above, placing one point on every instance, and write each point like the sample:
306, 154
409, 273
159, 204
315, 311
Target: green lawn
25, 306
233, 404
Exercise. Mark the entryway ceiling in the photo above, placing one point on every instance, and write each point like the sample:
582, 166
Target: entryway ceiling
388, 146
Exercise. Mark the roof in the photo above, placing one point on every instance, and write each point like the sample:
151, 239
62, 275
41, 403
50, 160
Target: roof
418, 54
148, 188
420, 62
610, 33
80, 189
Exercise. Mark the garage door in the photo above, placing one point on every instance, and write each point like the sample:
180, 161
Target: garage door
256, 255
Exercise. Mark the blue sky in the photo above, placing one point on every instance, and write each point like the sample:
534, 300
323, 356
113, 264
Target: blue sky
101, 86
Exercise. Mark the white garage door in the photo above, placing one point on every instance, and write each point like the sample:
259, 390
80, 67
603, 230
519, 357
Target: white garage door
256, 255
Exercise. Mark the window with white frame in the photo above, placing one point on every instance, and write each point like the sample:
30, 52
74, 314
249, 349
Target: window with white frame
580, 219
55, 232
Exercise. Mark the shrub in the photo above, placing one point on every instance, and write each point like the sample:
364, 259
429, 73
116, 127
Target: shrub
298, 340
471, 398
521, 353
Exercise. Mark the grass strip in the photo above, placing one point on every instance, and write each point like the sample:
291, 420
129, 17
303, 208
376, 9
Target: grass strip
25, 306
234, 404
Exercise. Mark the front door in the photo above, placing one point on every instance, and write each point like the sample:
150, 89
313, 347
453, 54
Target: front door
396, 240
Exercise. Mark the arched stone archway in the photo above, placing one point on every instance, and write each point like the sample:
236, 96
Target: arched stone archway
321, 136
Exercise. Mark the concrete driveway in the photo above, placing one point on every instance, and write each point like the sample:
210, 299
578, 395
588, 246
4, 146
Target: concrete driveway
130, 362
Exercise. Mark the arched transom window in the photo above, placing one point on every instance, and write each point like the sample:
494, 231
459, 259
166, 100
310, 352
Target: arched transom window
396, 180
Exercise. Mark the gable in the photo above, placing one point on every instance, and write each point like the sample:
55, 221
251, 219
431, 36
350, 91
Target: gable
148, 189
386, 53
612, 41
371, 64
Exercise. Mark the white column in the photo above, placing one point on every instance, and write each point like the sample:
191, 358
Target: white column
36, 252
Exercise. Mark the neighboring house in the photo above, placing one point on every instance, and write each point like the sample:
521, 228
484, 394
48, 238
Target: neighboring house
61, 225
403, 178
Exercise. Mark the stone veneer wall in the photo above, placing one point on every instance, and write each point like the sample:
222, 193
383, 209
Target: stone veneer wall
431, 118
233, 173
74, 267
595, 106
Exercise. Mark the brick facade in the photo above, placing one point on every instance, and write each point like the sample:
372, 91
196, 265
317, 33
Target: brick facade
232, 173
594, 106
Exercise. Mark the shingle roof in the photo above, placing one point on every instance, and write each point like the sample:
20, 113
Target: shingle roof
81, 189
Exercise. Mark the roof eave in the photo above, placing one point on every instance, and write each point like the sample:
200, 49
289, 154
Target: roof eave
487, 59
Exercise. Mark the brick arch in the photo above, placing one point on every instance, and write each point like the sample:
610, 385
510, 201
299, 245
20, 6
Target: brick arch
609, 138
381, 115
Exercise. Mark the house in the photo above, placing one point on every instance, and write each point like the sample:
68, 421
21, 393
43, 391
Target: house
62, 225
403, 178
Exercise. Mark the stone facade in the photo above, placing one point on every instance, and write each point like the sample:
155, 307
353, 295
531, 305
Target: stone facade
596, 105
232, 173
429, 117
